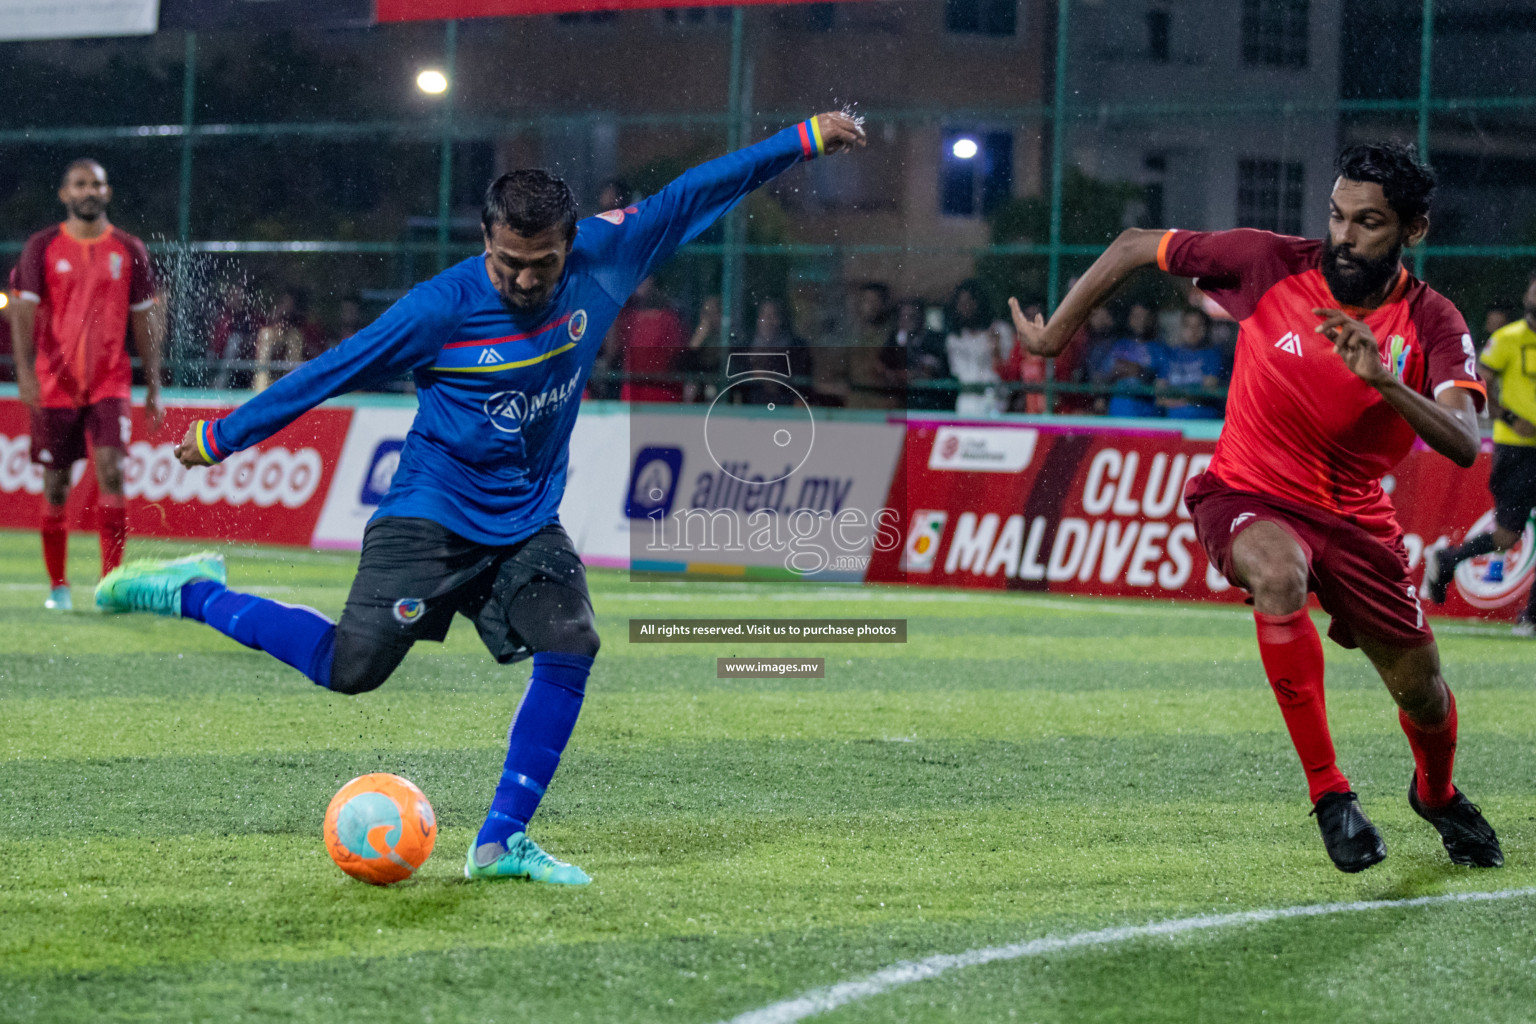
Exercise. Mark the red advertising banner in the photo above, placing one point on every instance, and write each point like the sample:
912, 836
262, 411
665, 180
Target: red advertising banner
1085, 511
440, 10
270, 494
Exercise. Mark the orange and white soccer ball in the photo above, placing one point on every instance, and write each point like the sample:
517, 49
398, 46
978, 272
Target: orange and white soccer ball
380, 828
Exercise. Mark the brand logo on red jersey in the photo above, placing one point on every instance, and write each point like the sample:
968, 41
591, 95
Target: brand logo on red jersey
115, 266
1290, 343
63, 266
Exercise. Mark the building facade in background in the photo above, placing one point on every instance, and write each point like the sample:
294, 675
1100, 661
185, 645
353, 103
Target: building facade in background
1204, 157
1165, 95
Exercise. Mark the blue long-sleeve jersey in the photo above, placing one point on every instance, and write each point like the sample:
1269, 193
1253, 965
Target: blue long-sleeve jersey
498, 390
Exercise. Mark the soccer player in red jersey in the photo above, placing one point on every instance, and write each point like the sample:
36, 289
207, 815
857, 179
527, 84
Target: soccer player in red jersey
79, 287
1343, 358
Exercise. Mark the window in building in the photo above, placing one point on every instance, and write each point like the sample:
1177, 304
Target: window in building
696, 15
588, 18
1275, 33
982, 17
976, 172
1152, 202
820, 17
1159, 23
1269, 195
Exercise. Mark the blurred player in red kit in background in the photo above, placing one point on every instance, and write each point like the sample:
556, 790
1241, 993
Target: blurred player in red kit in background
79, 286
1343, 358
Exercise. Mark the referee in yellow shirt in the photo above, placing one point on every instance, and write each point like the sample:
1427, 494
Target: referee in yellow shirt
1509, 367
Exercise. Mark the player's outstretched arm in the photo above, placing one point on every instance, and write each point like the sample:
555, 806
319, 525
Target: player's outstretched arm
1134, 249
686, 207
407, 337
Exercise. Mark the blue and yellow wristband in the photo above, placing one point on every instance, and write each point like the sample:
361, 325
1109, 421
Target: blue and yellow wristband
811, 144
207, 445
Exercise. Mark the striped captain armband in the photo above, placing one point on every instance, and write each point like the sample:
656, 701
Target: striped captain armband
811, 144
207, 447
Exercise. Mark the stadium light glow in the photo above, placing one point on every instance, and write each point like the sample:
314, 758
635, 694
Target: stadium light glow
964, 149
5, 300
432, 82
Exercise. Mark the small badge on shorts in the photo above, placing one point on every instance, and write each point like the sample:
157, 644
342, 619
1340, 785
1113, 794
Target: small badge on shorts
408, 609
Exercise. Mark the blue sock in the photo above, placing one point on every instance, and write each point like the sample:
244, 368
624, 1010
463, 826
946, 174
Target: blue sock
539, 733
296, 636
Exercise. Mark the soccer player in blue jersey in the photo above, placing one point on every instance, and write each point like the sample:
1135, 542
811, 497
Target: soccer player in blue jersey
500, 346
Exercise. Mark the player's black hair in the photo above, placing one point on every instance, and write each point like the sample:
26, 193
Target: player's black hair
529, 202
83, 161
1408, 182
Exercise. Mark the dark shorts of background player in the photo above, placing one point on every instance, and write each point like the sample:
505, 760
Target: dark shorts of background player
59, 436
415, 575
1358, 579
1512, 481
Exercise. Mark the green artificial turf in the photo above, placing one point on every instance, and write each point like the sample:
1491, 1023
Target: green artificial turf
1025, 766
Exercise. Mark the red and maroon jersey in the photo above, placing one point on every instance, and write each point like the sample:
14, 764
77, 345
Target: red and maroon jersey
1299, 424
85, 289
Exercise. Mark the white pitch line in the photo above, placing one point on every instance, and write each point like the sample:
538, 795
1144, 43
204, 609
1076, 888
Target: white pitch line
822, 1000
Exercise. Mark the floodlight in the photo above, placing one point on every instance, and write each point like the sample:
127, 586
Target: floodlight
432, 82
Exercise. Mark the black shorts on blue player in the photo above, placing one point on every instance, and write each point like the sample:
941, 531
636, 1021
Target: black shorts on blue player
500, 347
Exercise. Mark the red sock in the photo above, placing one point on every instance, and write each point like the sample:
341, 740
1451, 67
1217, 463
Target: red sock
1434, 753
55, 544
113, 521
1293, 661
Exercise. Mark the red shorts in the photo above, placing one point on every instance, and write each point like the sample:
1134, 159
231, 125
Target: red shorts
59, 435
1359, 580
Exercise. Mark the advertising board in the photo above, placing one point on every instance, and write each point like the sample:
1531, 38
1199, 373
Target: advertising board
1100, 511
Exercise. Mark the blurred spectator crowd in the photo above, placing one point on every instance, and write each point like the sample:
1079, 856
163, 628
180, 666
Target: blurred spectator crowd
913, 353
879, 352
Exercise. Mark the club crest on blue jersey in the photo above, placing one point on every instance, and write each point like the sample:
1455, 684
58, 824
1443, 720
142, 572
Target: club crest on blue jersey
408, 609
578, 324
617, 216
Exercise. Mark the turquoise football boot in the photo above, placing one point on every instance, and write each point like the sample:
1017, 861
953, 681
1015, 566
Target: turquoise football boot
59, 600
155, 586
524, 859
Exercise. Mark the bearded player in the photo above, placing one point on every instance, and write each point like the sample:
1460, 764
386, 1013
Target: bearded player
80, 286
500, 347
1343, 358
